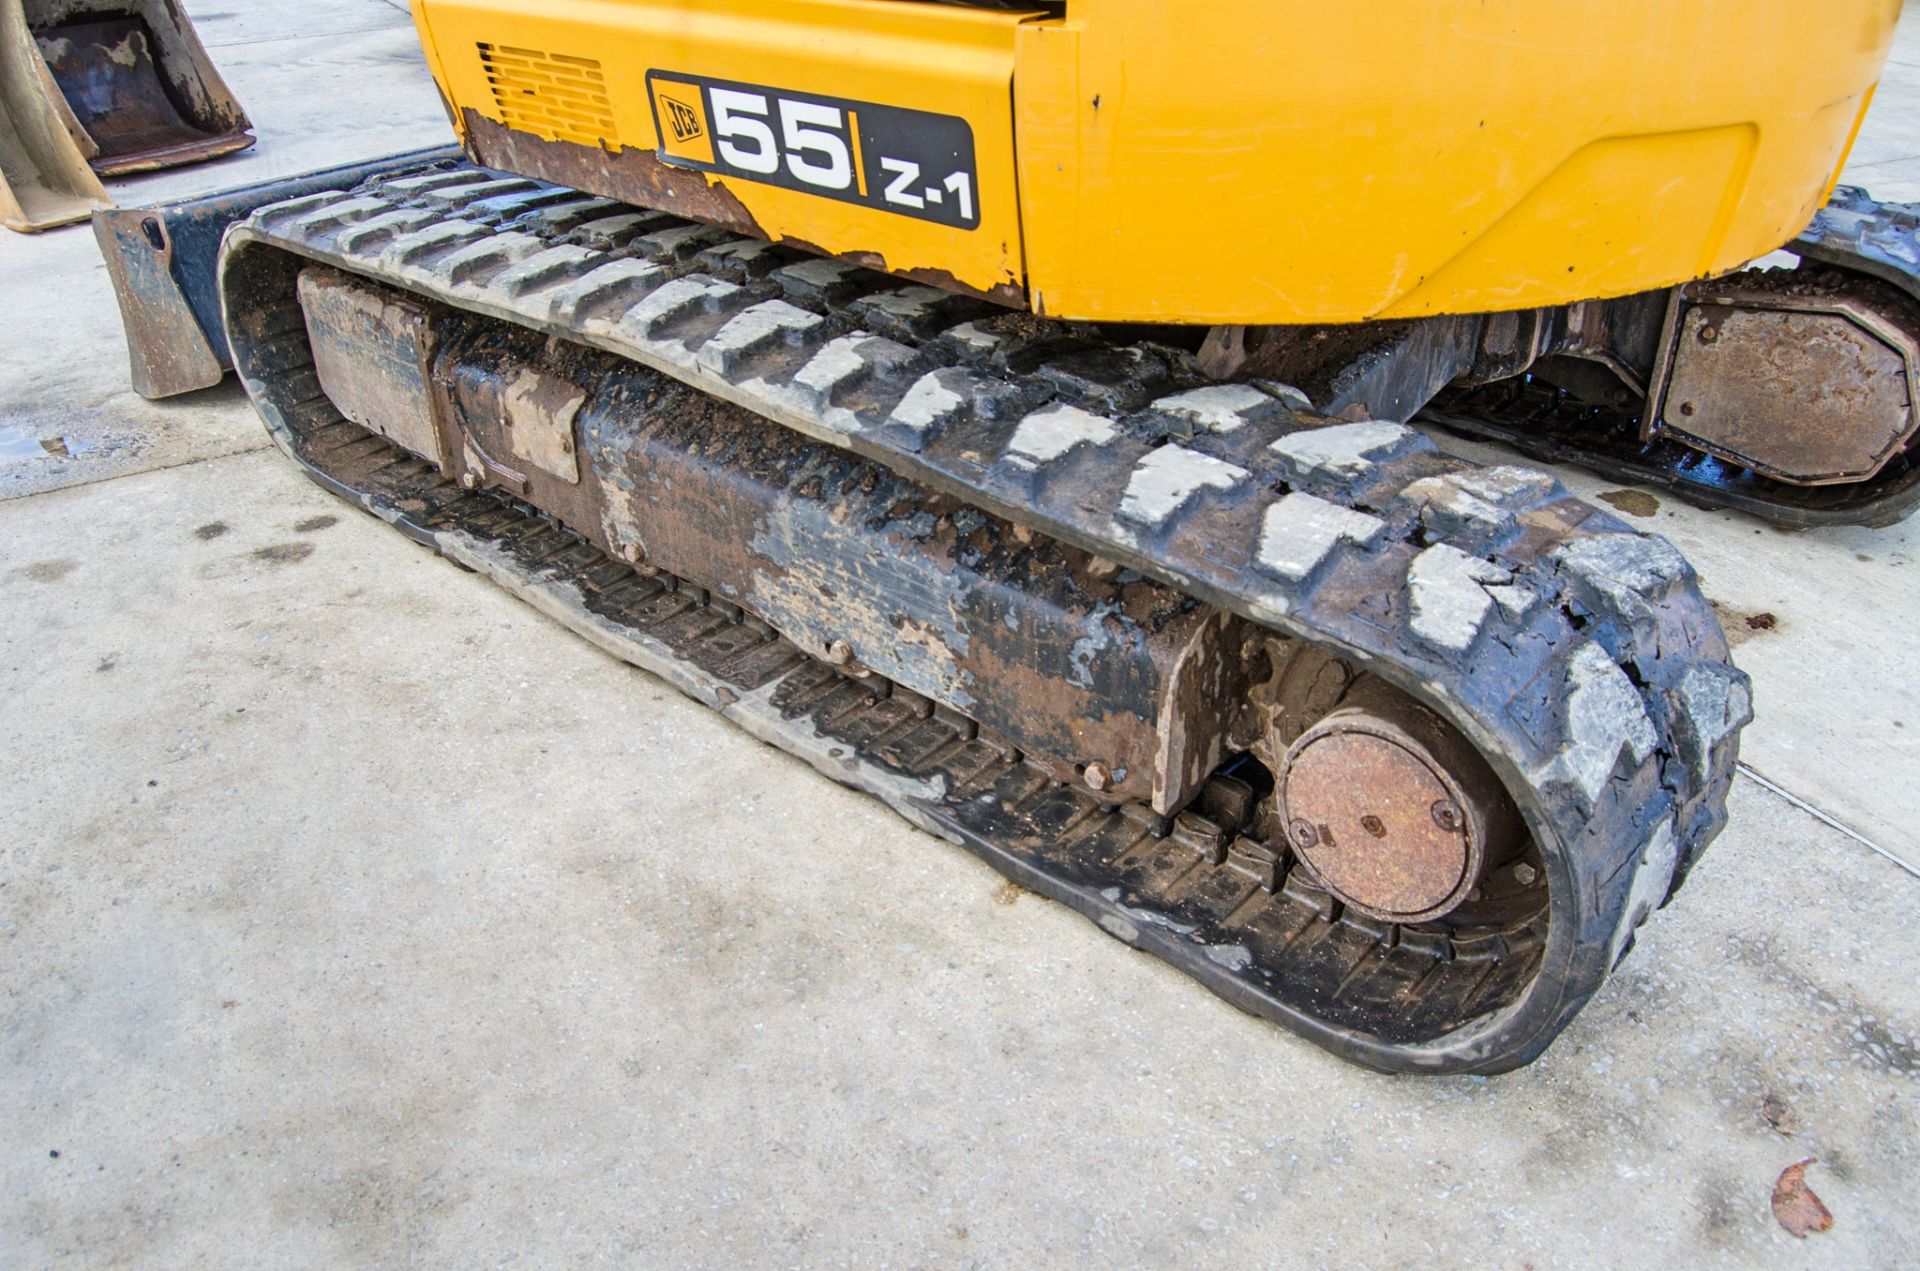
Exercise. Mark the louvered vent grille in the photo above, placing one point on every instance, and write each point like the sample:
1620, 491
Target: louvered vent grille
549, 95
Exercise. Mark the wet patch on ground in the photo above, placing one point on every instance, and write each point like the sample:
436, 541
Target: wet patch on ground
1742, 625
315, 523
23, 443
210, 531
283, 553
108, 432
47, 571
1863, 1035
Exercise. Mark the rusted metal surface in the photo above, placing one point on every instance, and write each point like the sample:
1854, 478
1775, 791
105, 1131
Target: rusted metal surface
374, 353
92, 88
1392, 809
1856, 244
1808, 398
537, 414
632, 176
107, 72
1364, 812
1098, 676
639, 177
172, 346
45, 179
140, 86
1810, 377
163, 259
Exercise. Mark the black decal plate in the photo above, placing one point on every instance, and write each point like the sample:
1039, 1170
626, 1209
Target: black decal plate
911, 162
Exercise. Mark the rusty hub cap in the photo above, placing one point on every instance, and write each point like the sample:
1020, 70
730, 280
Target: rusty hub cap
1376, 804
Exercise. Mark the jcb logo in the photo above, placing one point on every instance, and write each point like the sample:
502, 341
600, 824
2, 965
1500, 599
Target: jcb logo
680, 113
683, 119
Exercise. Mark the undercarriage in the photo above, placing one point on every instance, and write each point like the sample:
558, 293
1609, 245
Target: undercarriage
1392, 749
1786, 390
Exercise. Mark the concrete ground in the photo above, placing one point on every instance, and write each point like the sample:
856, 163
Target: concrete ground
353, 913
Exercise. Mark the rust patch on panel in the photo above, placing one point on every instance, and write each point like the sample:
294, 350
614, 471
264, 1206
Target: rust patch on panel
633, 176
638, 176
538, 411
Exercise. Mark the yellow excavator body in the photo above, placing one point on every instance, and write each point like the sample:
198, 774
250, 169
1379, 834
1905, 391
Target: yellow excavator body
1023, 411
1279, 162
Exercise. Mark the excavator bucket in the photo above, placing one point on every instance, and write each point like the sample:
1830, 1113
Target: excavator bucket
93, 88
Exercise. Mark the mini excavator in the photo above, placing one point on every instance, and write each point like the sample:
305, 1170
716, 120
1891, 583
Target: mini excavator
1008, 408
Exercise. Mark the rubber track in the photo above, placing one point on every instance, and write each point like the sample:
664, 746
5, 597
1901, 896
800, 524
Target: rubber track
1577, 653
1857, 232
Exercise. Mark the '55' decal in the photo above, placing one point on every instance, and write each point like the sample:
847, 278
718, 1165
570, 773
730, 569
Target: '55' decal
908, 161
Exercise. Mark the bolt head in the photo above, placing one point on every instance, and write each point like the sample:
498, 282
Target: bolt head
1709, 334
631, 553
839, 653
471, 480
1097, 777
1446, 815
1524, 874
1302, 834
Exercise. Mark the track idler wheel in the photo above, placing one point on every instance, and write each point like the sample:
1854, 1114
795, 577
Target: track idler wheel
1393, 809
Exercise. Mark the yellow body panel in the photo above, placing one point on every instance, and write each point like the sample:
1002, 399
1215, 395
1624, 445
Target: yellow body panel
1268, 161
934, 58
1300, 161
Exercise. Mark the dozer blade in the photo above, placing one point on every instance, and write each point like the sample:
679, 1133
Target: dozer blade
164, 261
92, 88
